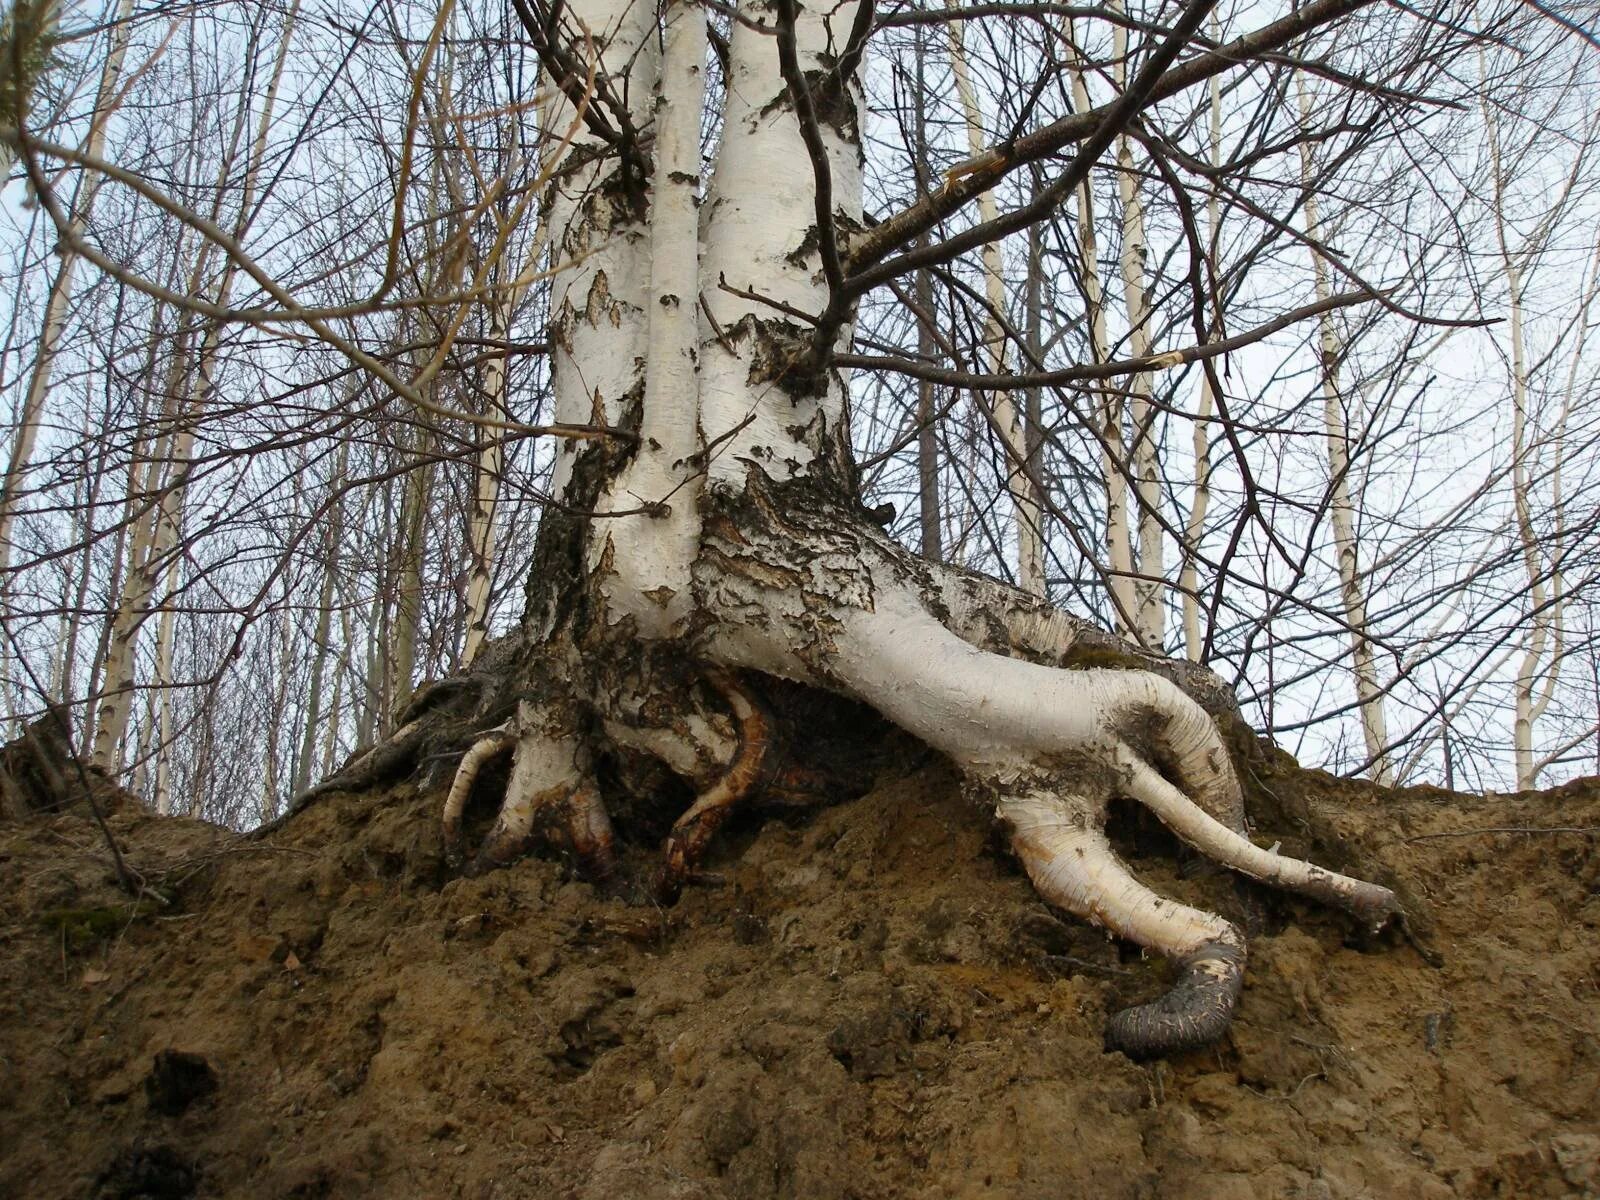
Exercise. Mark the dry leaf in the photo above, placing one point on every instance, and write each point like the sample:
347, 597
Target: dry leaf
93, 976
290, 962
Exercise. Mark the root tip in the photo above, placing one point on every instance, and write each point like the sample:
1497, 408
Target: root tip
1196, 1012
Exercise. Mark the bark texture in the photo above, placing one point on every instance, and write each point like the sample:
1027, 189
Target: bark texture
711, 591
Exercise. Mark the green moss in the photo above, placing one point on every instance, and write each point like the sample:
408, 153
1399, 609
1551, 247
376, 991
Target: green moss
81, 928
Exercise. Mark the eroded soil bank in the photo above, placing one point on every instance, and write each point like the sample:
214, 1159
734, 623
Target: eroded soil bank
872, 1004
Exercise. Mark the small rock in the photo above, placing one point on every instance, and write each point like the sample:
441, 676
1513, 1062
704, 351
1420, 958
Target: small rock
1578, 1156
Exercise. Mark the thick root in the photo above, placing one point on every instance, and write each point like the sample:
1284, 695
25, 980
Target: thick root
692, 831
575, 824
550, 796
1194, 1013
1074, 867
1022, 730
1367, 902
493, 744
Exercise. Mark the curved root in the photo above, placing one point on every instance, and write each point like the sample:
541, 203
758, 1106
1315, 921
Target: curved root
1194, 1013
1054, 746
493, 744
550, 795
692, 831
1074, 867
1367, 902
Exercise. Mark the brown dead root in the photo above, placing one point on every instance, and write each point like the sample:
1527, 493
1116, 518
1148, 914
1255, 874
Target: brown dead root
693, 831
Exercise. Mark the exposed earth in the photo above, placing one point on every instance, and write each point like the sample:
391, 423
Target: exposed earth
872, 1004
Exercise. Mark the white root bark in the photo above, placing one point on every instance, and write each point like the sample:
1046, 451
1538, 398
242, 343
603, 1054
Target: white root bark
1091, 735
743, 552
487, 748
1053, 747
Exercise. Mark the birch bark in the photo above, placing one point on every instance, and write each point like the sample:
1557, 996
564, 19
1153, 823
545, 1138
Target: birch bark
1149, 590
1025, 504
1341, 512
1113, 444
722, 557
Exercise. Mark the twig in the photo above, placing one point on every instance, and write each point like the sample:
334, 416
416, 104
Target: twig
1449, 833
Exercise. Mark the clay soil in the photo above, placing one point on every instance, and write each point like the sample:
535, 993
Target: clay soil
870, 1004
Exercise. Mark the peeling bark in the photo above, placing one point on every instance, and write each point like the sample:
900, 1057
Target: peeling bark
678, 644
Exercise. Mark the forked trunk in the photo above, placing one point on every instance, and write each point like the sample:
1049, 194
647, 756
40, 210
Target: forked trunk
696, 578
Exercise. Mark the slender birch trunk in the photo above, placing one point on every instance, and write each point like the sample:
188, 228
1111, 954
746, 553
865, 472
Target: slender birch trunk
408, 574
56, 307
56, 313
931, 518
163, 700
1341, 512
1149, 590
1033, 398
315, 718
1025, 502
1195, 527
1113, 446
155, 569
488, 467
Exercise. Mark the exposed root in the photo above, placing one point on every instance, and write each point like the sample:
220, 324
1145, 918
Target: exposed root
980, 677
1367, 902
1074, 867
1053, 747
495, 743
577, 825
32, 774
692, 831
550, 797
1194, 1013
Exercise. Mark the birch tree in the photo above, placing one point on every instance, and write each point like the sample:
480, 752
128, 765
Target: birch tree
715, 542
1027, 512
705, 553
1341, 512
14, 88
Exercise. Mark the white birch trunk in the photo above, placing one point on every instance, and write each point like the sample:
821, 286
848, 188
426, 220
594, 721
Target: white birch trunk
487, 470
1114, 452
315, 718
56, 307
154, 562
1149, 590
1341, 512
1027, 510
1195, 527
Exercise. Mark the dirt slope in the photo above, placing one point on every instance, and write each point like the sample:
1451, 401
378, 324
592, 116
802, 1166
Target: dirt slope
872, 1005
